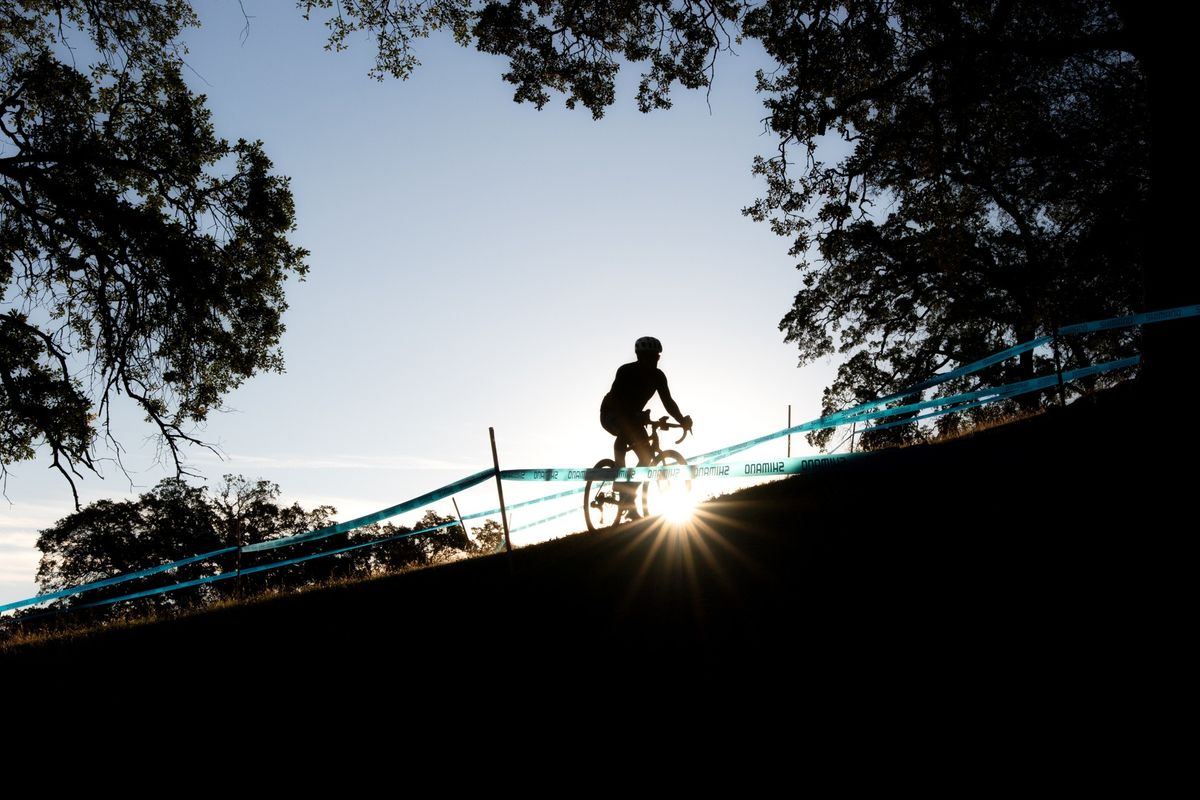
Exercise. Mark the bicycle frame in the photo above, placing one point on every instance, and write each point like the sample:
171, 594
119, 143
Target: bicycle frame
602, 495
654, 426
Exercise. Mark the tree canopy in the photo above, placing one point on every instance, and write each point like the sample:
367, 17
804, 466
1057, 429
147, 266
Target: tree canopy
996, 185
552, 45
175, 521
997, 168
140, 254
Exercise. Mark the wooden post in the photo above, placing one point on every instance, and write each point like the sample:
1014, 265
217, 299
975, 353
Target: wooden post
500, 491
237, 529
461, 524
852, 425
789, 426
1062, 395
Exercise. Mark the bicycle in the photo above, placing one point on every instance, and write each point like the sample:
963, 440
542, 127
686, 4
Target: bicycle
600, 494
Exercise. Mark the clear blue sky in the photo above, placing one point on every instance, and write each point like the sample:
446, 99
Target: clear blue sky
467, 256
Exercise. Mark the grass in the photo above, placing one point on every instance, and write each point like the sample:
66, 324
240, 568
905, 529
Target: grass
66, 628
1001, 569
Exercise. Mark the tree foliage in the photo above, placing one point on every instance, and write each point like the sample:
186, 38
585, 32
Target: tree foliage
487, 538
552, 45
441, 541
995, 184
108, 538
175, 521
140, 254
955, 176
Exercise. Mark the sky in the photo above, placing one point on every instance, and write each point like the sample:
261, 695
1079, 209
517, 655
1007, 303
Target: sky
475, 263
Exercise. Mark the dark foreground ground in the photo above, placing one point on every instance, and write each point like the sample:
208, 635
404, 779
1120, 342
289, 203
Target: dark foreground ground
1005, 576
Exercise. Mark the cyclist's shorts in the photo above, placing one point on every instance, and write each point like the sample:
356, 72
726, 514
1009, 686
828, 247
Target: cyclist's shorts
610, 422
622, 427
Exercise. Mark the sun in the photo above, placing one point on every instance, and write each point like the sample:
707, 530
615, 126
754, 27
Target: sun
676, 506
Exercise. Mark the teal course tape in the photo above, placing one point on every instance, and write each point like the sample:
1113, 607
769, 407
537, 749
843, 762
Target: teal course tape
797, 465
43, 598
1133, 319
707, 465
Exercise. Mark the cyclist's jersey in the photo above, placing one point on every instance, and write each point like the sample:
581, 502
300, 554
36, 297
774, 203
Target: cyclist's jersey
632, 389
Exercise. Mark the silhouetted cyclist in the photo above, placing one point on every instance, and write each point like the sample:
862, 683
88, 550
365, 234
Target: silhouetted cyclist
621, 410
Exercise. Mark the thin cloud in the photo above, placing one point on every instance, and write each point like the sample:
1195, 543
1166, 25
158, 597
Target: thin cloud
17, 540
375, 463
17, 569
30, 517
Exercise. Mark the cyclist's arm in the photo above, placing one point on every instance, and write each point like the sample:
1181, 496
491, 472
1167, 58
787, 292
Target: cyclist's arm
664, 394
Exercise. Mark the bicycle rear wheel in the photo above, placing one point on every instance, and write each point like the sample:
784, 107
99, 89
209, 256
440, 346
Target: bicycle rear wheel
672, 493
600, 507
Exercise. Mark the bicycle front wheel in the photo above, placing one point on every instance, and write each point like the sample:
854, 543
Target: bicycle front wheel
672, 493
600, 507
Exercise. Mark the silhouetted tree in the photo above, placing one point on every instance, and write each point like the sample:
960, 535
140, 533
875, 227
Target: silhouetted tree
488, 537
417, 550
175, 521
246, 510
444, 543
170, 522
128, 265
995, 187
397, 554
247, 513
294, 520
558, 45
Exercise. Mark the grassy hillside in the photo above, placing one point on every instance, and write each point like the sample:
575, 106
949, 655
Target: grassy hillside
1004, 566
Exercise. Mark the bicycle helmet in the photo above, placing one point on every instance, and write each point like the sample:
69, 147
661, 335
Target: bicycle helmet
647, 344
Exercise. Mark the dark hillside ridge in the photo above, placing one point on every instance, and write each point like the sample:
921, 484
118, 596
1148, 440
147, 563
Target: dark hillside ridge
1010, 558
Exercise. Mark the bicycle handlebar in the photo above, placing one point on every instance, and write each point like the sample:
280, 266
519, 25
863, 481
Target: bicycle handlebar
662, 425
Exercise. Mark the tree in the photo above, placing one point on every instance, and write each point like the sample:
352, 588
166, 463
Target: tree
568, 47
398, 553
996, 185
487, 538
443, 544
174, 521
419, 550
140, 254
246, 513
170, 522
998, 176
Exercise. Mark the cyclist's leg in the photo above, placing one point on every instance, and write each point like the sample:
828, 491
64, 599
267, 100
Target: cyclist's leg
611, 422
632, 436
619, 448
641, 446
619, 428
626, 491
